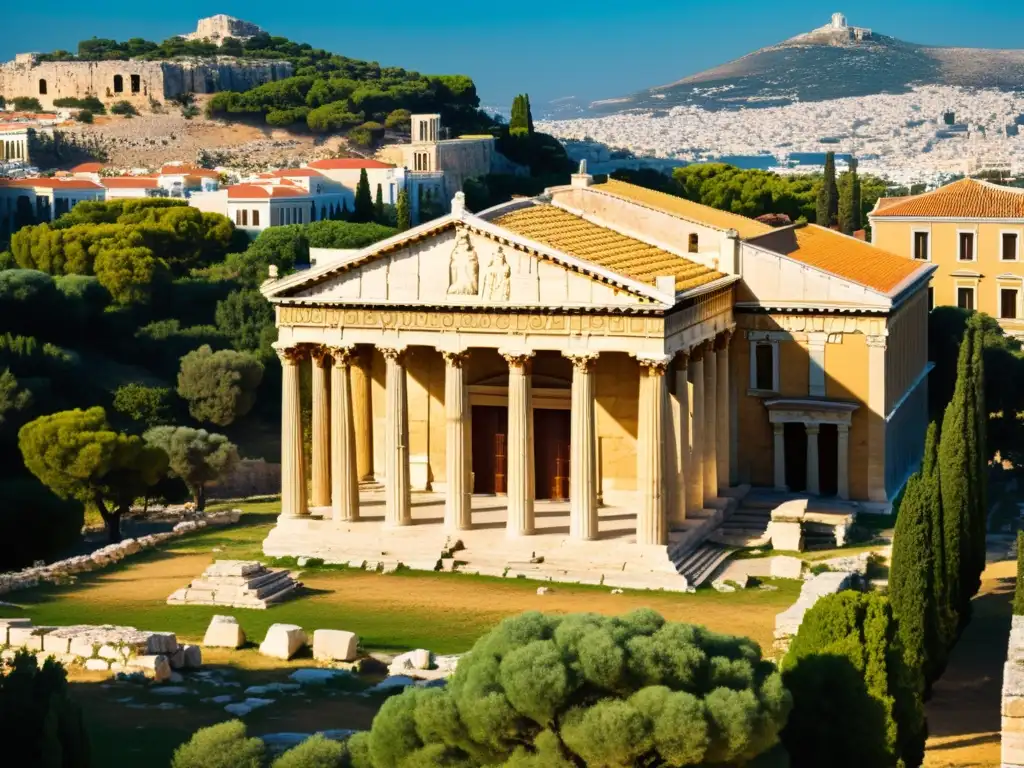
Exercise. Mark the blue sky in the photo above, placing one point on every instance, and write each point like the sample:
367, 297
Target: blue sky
593, 49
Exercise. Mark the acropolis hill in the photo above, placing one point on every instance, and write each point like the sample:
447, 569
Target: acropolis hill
139, 80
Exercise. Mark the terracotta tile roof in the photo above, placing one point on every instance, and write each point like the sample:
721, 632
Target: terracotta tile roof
185, 169
347, 163
888, 202
845, 257
294, 173
87, 168
51, 183
604, 247
129, 182
259, 191
964, 199
684, 209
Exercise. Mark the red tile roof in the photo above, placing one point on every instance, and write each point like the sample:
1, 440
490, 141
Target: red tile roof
347, 163
87, 168
260, 191
964, 199
184, 169
129, 182
53, 183
294, 173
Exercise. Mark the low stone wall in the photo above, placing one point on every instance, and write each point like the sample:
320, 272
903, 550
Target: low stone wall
1013, 698
251, 477
59, 571
787, 623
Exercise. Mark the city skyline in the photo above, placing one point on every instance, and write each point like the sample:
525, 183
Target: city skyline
566, 55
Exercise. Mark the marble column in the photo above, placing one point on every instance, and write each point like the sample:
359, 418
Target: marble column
397, 501
293, 463
583, 449
362, 412
780, 456
321, 448
681, 433
813, 486
710, 422
344, 476
695, 467
457, 503
653, 472
844, 461
724, 411
519, 448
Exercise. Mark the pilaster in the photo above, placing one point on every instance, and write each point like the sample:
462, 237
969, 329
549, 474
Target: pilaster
397, 496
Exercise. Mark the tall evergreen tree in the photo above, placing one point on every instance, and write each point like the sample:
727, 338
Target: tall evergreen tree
828, 195
910, 587
943, 621
955, 468
378, 205
849, 200
363, 210
855, 193
402, 212
519, 120
529, 114
343, 214
979, 529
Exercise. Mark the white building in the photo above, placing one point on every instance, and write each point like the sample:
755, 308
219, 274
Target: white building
46, 199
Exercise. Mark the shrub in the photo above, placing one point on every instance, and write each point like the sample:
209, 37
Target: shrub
224, 745
123, 107
197, 457
855, 701
147, 406
1018, 592
85, 116
587, 690
26, 104
219, 386
40, 718
398, 120
90, 103
315, 752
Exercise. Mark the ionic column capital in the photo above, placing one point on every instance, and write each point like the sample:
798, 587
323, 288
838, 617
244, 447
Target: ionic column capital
292, 355
653, 365
682, 358
844, 429
393, 354
518, 359
584, 362
779, 429
343, 357
319, 354
455, 358
722, 340
878, 340
812, 429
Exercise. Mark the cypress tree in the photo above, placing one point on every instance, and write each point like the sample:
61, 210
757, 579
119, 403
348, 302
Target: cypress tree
519, 121
363, 210
529, 114
828, 196
910, 589
955, 467
378, 205
855, 193
849, 200
343, 213
980, 527
402, 211
943, 621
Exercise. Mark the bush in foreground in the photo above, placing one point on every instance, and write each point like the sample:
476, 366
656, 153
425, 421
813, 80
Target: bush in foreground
856, 702
224, 745
550, 691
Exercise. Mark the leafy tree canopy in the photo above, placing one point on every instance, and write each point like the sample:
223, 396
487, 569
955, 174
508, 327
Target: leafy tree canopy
195, 456
219, 386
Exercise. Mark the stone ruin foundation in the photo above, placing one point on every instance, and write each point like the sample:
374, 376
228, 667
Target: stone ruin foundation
238, 584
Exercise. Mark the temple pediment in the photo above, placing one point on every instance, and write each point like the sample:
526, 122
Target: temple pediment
458, 265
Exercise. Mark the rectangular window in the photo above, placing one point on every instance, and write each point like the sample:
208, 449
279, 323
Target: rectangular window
1008, 303
136, 84
966, 246
921, 246
764, 377
255, 218
238, 218
245, 217
1009, 246
965, 298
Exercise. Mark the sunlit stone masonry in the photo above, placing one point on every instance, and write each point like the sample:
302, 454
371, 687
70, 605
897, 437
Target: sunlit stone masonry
582, 386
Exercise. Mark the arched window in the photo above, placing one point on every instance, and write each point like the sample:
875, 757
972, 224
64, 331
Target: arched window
42, 87
694, 244
118, 84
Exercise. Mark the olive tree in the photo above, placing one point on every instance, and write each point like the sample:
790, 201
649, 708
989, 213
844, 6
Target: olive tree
583, 689
77, 455
195, 456
219, 386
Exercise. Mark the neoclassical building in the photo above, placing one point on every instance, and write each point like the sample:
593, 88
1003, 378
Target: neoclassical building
571, 386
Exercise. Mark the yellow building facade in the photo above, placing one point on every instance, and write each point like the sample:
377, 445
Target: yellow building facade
585, 383
973, 232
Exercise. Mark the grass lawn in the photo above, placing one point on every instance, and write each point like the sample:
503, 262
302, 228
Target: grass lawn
444, 612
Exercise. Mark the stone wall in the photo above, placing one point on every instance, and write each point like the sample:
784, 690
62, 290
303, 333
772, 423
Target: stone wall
139, 80
1013, 698
252, 477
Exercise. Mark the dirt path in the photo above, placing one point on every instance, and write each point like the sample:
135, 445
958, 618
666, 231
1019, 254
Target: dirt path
963, 714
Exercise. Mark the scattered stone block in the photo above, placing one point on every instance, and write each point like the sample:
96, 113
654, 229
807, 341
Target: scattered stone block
720, 585
786, 567
177, 659
193, 656
154, 666
283, 641
544, 590
316, 676
245, 707
97, 665
335, 645
238, 583
161, 642
224, 632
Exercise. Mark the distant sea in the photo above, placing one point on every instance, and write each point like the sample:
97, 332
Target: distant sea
764, 162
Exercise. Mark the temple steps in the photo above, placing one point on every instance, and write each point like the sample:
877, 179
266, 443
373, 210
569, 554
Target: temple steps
698, 565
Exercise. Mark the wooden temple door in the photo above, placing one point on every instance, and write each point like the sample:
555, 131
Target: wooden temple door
490, 459
551, 453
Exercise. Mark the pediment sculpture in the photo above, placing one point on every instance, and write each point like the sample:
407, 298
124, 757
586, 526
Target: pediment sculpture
496, 278
463, 268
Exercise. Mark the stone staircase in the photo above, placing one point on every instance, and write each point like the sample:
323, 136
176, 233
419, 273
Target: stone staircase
236, 583
699, 564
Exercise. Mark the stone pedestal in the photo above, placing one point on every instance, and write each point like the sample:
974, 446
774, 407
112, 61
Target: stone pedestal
236, 583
